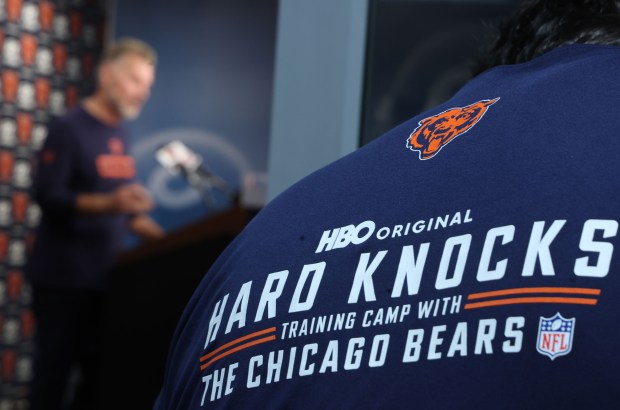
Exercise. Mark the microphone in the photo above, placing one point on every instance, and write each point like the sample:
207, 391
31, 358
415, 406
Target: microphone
178, 158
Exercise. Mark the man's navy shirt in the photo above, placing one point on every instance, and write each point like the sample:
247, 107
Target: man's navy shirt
80, 155
466, 259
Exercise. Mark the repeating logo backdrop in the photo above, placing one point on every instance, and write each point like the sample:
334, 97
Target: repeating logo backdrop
48, 51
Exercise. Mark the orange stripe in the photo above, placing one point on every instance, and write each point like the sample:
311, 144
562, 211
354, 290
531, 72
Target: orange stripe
516, 301
238, 348
518, 291
237, 341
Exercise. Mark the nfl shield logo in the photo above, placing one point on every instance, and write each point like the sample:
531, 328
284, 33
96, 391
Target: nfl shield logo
555, 336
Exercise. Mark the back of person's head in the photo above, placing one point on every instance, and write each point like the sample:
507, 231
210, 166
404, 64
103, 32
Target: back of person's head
539, 26
125, 46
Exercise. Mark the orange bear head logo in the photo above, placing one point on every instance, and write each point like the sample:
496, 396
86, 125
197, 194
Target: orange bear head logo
433, 133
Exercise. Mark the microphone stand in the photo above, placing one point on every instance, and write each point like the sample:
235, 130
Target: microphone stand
206, 182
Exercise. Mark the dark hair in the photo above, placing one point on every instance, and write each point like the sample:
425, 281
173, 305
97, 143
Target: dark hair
539, 26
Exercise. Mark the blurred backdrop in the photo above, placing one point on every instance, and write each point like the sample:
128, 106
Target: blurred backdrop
264, 92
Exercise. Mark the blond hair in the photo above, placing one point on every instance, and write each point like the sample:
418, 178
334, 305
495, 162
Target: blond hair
126, 46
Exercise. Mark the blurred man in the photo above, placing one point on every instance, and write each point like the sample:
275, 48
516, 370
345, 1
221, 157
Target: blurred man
466, 259
85, 187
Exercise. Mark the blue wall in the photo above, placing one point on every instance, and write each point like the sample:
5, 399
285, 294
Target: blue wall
318, 87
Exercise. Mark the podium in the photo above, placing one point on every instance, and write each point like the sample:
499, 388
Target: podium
149, 290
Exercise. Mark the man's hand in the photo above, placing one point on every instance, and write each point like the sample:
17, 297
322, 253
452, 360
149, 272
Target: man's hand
146, 228
131, 199
127, 199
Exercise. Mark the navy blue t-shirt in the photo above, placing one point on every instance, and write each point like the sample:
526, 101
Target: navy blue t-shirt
80, 155
466, 259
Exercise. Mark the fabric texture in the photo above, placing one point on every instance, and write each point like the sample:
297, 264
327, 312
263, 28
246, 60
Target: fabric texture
466, 259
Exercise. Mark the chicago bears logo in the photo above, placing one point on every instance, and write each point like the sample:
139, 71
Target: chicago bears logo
75, 24
28, 49
6, 166
9, 358
10, 82
24, 128
20, 206
88, 64
46, 15
13, 10
42, 92
434, 133
72, 96
59, 60
14, 282
27, 320
4, 245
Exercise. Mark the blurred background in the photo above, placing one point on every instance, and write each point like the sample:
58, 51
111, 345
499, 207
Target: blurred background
262, 92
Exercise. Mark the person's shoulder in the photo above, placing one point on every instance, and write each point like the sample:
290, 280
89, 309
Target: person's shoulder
72, 116
65, 127
585, 60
